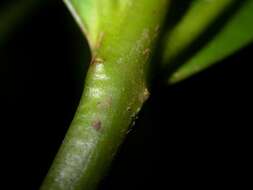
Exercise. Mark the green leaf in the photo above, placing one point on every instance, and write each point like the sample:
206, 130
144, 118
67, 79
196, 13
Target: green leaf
95, 16
237, 33
198, 17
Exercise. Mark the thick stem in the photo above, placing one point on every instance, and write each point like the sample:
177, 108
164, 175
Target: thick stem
115, 90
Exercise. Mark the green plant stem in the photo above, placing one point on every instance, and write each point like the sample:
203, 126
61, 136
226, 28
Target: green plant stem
115, 90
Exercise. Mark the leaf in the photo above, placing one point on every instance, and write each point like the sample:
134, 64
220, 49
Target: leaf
94, 16
236, 34
199, 16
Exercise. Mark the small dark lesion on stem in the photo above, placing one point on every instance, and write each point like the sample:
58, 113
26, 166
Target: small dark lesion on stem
146, 52
97, 125
96, 60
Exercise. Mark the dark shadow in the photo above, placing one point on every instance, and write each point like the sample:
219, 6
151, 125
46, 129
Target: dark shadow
42, 68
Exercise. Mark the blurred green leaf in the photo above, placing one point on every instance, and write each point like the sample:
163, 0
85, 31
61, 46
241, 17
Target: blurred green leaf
195, 20
237, 33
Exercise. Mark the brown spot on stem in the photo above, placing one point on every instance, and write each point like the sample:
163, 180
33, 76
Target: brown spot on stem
97, 60
97, 125
144, 95
157, 28
92, 60
105, 104
146, 52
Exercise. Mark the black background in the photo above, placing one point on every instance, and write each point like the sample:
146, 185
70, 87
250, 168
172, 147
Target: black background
193, 134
